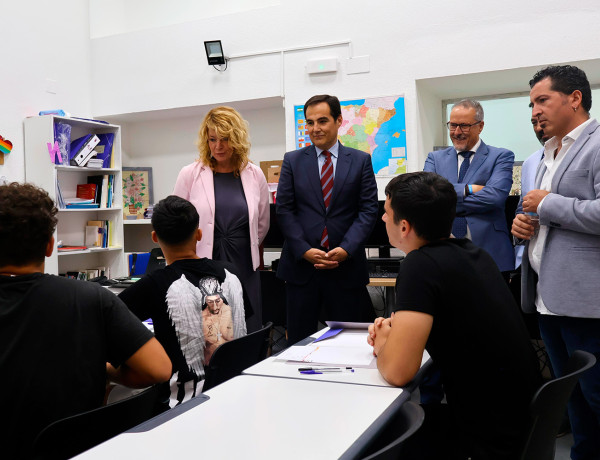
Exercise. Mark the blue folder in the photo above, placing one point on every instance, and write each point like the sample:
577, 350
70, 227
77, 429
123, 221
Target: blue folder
138, 262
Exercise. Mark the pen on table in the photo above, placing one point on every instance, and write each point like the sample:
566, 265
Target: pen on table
323, 370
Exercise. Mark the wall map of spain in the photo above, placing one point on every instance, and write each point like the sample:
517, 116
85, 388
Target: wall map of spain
374, 125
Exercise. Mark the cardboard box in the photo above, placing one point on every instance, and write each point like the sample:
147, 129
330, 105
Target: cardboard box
271, 170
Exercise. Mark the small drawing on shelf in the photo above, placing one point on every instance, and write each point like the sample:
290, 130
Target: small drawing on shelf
137, 191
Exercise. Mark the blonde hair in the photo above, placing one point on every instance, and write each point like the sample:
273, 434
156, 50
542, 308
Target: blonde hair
228, 124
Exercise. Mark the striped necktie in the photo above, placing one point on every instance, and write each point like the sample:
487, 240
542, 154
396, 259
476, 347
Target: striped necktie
327, 189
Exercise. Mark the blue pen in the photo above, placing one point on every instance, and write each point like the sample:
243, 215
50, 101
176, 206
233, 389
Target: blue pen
324, 371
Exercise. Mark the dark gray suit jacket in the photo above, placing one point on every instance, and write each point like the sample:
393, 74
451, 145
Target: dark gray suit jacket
570, 267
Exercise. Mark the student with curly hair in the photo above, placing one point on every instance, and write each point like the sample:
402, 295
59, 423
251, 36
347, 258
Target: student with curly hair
60, 338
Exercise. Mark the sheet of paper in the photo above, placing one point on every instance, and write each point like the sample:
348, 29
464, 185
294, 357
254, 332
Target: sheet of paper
348, 338
318, 353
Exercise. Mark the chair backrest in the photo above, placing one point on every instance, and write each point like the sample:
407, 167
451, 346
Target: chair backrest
273, 298
70, 436
405, 423
231, 358
548, 407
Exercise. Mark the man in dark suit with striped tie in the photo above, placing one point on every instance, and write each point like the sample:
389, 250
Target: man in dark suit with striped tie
326, 209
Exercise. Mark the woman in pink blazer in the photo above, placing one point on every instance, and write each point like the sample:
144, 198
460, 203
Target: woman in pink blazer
231, 197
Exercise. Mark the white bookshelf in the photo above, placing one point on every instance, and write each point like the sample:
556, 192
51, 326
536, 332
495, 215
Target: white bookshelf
39, 170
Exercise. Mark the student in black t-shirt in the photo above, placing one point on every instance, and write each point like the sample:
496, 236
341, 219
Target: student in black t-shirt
180, 298
59, 338
452, 300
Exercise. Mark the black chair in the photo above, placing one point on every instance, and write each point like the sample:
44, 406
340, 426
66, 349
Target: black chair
70, 436
274, 307
231, 358
548, 407
405, 423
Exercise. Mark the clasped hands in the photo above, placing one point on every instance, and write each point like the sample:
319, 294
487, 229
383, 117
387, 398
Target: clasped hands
523, 227
322, 260
378, 333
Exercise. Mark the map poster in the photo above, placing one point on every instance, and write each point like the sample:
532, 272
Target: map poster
374, 125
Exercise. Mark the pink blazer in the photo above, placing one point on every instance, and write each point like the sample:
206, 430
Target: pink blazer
195, 184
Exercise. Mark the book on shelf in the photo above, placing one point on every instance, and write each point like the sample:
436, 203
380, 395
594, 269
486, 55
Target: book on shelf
78, 200
59, 198
111, 180
76, 275
104, 184
91, 273
81, 206
87, 191
86, 274
98, 181
82, 149
107, 234
105, 149
104, 195
95, 163
95, 232
71, 248
91, 236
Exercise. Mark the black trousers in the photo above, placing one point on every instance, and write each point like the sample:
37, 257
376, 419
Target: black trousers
324, 297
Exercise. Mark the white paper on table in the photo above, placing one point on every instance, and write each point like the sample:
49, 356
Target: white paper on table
348, 338
342, 356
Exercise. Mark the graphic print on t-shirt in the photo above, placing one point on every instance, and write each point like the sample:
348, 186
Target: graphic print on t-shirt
204, 317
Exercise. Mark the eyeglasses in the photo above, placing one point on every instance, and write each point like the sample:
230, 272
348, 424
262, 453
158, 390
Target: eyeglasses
464, 127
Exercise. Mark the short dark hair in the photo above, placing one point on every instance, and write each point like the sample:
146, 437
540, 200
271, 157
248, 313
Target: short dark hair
27, 223
174, 220
566, 79
333, 102
426, 200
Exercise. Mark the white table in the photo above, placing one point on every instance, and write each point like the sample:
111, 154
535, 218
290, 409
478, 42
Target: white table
255, 417
273, 367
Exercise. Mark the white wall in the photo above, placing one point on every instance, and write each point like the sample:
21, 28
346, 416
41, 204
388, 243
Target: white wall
41, 41
434, 50
168, 144
119, 16
427, 50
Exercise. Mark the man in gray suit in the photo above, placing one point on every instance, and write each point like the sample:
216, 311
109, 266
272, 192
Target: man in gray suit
561, 262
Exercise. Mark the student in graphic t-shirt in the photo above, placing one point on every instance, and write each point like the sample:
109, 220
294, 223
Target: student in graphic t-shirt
196, 304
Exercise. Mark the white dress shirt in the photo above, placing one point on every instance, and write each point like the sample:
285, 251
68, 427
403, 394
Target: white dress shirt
537, 243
